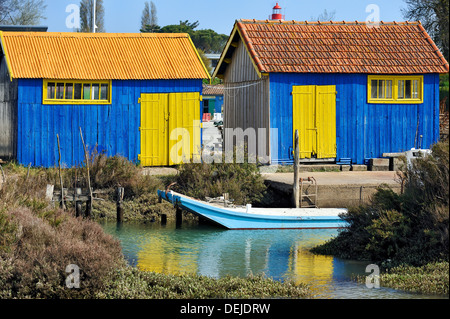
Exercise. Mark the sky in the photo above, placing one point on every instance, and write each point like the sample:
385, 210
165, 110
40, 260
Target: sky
124, 16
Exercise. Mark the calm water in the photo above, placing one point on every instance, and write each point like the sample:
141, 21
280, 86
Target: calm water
279, 254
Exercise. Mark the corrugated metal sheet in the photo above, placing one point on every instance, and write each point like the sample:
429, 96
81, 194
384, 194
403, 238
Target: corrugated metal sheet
340, 47
362, 130
8, 113
100, 56
114, 128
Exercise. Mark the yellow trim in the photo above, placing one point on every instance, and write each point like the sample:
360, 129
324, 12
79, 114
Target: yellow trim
394, 79
198, 56
5, 52
45, 100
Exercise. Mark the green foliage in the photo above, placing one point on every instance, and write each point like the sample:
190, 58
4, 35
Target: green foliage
35, 264
7, 233
242, 181
130, 283
432, 278
206, 40
410, 228
444, 92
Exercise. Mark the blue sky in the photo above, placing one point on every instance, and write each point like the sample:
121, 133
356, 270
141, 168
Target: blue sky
125, 15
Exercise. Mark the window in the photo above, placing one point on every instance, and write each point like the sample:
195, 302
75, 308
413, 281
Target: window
76, 92
395, 89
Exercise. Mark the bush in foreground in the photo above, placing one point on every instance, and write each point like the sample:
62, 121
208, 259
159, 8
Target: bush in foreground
242, 181
432, 279
410, 228
131, 283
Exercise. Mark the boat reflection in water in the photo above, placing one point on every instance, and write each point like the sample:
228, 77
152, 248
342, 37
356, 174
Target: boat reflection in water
204, 250
278, 254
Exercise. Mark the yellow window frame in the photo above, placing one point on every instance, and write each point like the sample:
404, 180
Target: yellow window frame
71, 100
395, 86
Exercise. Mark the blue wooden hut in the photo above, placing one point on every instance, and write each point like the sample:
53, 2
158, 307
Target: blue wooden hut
353, 91
127, 92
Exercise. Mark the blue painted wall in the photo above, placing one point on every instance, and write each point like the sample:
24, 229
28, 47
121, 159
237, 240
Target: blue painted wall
113, 128
363, 130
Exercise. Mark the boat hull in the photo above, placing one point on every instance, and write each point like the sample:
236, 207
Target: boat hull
232, 219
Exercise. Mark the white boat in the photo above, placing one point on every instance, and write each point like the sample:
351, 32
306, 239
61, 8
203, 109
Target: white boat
247, 217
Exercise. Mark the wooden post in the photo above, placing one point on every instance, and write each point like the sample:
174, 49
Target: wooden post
60, 175
296, 191
3, 174
225, 199
163, 219
119, 200
49, 192
179, 217
86, 157
28, 171
78, 212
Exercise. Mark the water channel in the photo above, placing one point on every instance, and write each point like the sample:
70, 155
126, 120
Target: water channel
214, 252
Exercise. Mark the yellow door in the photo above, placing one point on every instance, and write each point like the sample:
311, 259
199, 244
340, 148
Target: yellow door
170, 128
303, 119
314, 116
154, 130
184, 127
326, 121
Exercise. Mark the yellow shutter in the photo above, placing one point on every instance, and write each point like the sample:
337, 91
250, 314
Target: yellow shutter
184, 127
303, 120
154, 130
326, 121
314, 116
170, 128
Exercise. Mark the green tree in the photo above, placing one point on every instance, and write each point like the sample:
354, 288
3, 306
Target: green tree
87, 15
209, 41
434, 16
22, 12
206, 40
149, 19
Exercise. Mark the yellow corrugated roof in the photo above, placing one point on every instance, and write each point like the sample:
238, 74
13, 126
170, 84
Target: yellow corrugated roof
99, 56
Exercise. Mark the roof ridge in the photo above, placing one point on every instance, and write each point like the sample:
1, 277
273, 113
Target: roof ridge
93, 35
305, 22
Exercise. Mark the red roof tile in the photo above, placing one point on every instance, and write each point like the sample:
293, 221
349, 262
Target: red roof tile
341, 47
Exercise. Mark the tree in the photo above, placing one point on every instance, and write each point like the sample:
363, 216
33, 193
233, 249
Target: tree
209, 41
325, 16
149, 19
206, 40
22, 12
87, 14
434, 17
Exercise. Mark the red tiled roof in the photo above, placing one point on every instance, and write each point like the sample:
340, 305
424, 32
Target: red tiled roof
341, 47
213, 89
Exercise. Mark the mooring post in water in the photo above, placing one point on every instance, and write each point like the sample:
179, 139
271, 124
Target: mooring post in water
163, 219
78, 212
296, 190
119, 193
179, 216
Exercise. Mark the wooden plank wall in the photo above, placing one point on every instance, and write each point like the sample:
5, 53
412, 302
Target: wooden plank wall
8, 113
246, 100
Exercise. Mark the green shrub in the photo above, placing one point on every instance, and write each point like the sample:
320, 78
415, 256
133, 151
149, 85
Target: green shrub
131, 283
35, 265
242, 181
410, 228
